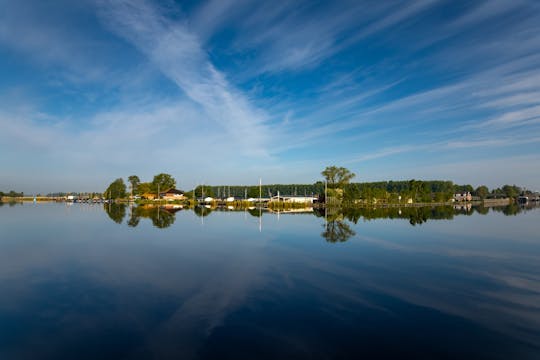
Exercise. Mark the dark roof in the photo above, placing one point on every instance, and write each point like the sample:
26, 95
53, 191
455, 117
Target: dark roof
174, 191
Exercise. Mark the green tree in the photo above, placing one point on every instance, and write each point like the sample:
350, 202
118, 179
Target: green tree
415, 187
482, 191
463, 188
12, 193
511, 191
163, 182
351, 192
205, 190
337, 177
134, 181
253, 192
145, 188
116, 190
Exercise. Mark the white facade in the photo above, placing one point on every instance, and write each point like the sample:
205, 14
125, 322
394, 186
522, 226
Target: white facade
295, 199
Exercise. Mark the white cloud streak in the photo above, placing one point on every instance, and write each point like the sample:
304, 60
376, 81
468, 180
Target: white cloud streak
466, 84
298, 35
179, 55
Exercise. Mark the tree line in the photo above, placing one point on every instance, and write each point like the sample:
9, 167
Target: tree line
118, 189
338, 180
337, 185
11, 193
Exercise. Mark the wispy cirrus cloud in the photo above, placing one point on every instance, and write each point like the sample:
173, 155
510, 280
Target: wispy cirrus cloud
235, 87
293, 36
178, 54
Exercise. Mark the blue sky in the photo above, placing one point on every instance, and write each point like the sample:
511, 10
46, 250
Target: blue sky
225, 92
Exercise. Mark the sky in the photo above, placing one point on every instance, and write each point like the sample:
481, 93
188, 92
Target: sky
226, 92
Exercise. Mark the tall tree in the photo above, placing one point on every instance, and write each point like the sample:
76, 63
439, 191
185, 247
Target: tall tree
511, 191
144, 188
163, 182
134, 181
116, 190
337, 177
415, 186
482, 191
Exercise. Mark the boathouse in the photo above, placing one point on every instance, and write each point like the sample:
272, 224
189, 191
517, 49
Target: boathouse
172, 194
295, 199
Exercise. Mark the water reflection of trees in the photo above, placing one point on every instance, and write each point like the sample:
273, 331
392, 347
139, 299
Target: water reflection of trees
161, 217
116, 212
336, 227
133, 220
202, 211
337, 231
482, 210
417, 215
10, 203
510, 210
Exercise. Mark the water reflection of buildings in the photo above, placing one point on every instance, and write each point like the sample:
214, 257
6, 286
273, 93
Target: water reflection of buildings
337, 221
307, 210
464, 206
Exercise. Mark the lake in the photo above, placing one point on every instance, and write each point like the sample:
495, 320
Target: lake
81, 281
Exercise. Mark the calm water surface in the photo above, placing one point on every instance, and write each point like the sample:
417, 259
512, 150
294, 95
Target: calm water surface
88, 282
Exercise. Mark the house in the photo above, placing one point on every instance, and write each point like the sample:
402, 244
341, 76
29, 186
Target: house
466, 196
172, 194
148, 196
295, 199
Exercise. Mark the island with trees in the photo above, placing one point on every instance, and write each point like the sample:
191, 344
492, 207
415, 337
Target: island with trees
336, 189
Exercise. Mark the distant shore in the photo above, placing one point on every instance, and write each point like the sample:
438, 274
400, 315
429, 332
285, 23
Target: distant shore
276, 205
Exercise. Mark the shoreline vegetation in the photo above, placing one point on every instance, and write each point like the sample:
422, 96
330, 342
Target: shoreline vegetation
336, 190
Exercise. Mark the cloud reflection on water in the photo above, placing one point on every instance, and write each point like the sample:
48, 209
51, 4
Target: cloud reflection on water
174, 292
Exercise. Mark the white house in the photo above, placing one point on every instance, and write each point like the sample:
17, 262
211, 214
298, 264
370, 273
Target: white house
466, 196
173, 194
295, 199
